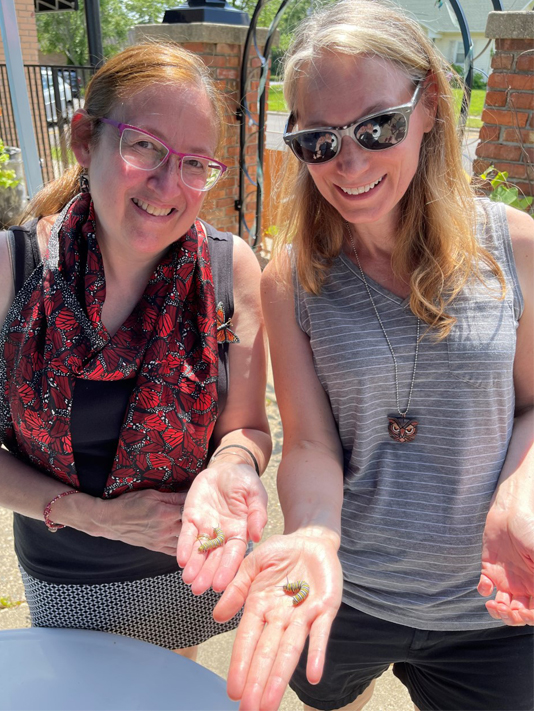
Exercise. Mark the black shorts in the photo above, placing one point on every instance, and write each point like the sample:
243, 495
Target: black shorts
481, 670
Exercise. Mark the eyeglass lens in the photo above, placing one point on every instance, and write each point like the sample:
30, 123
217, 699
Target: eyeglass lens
147, 153
375, 134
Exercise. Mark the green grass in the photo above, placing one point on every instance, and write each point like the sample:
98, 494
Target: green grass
476, 106
276, 99
277, 103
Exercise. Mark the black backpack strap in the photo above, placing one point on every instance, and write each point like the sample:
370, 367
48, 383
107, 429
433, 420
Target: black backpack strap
221, 246
25, 252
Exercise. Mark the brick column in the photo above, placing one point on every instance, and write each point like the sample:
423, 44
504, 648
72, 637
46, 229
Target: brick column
507, 136
28, 33
221, 48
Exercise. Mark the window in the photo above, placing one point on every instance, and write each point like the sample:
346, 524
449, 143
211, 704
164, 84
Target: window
459, 54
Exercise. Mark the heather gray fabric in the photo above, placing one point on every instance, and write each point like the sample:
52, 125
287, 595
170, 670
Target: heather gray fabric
413, 513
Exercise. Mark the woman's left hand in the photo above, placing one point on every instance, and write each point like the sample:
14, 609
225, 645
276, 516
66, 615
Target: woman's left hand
230, 496
508, 565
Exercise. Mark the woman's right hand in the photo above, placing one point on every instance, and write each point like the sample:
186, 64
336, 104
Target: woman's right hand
148, 518
272, 632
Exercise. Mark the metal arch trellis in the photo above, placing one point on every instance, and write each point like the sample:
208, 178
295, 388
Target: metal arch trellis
468, 54
253, 232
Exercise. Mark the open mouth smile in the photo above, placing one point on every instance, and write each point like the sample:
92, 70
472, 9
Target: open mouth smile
152, 209
362, 189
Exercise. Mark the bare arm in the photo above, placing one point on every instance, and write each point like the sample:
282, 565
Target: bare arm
229, 493
272, 633
22, 489
310, 477
508, 554
244, 419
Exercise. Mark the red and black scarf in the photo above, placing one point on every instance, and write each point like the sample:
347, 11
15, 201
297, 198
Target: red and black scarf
54, 334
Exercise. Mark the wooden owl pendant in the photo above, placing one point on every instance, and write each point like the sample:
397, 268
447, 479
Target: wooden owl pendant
402, 429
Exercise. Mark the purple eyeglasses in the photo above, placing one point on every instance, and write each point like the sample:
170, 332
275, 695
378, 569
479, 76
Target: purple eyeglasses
142, 150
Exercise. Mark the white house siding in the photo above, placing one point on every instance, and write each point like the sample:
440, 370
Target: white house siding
440, 24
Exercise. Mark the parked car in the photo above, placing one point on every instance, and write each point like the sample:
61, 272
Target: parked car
74, 80
65, 94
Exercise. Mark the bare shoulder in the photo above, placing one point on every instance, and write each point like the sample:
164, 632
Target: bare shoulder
521, 226
276, 282
244, 258
247, 274
7, 286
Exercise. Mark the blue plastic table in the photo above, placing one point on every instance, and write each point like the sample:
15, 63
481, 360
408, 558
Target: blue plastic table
78, 670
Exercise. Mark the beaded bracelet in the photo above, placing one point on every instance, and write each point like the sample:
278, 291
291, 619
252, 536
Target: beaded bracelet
239, 446
53, 527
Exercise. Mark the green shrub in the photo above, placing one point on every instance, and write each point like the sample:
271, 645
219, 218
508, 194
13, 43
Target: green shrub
503, 191
8, 178
479, 81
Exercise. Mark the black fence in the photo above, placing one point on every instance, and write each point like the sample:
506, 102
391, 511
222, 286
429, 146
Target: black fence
54, 92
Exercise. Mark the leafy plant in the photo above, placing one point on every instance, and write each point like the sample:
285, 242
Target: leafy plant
503, 191
8, 178
479, 82
271, 231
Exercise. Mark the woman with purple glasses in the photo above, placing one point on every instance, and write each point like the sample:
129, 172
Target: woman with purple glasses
133, 367
399, 309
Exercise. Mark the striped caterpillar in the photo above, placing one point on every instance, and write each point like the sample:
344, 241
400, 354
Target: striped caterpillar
299, 589
211, 543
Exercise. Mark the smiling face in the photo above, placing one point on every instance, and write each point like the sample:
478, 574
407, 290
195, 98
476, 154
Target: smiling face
364, 186
140, 213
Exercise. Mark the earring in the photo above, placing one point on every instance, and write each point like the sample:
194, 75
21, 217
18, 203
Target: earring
84, 182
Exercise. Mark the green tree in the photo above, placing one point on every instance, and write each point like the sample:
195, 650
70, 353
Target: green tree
65, 31
294, 12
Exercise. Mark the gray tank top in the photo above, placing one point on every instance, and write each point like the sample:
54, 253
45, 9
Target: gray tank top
414, 512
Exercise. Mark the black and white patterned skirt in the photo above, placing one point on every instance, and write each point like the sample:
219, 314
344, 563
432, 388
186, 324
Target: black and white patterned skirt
161, 610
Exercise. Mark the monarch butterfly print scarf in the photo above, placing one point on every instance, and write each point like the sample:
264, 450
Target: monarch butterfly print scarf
54, 335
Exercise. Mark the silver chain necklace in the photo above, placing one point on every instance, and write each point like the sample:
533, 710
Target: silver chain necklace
401, 428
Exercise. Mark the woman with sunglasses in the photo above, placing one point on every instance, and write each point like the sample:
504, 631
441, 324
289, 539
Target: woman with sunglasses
400, 328
132, 367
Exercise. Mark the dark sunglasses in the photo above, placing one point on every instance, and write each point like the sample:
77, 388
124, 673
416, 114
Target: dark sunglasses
376, 132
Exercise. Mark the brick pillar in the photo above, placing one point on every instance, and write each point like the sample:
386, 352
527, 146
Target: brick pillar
28, 32
221, 48
507, 136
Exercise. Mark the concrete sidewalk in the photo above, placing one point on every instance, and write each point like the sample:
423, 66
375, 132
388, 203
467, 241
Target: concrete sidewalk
390, 694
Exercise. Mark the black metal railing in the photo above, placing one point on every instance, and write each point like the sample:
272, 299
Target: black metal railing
54, 92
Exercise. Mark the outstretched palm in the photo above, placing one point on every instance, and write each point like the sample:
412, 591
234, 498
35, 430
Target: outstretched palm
508, 565
273, 631
228, 496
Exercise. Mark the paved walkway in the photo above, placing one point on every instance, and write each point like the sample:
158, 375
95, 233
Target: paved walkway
390, 695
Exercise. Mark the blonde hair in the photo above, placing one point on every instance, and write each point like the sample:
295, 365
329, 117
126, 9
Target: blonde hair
132, 70
436, 242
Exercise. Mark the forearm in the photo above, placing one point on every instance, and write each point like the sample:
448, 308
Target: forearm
27, 491
255, 440
310, 489
516, 483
